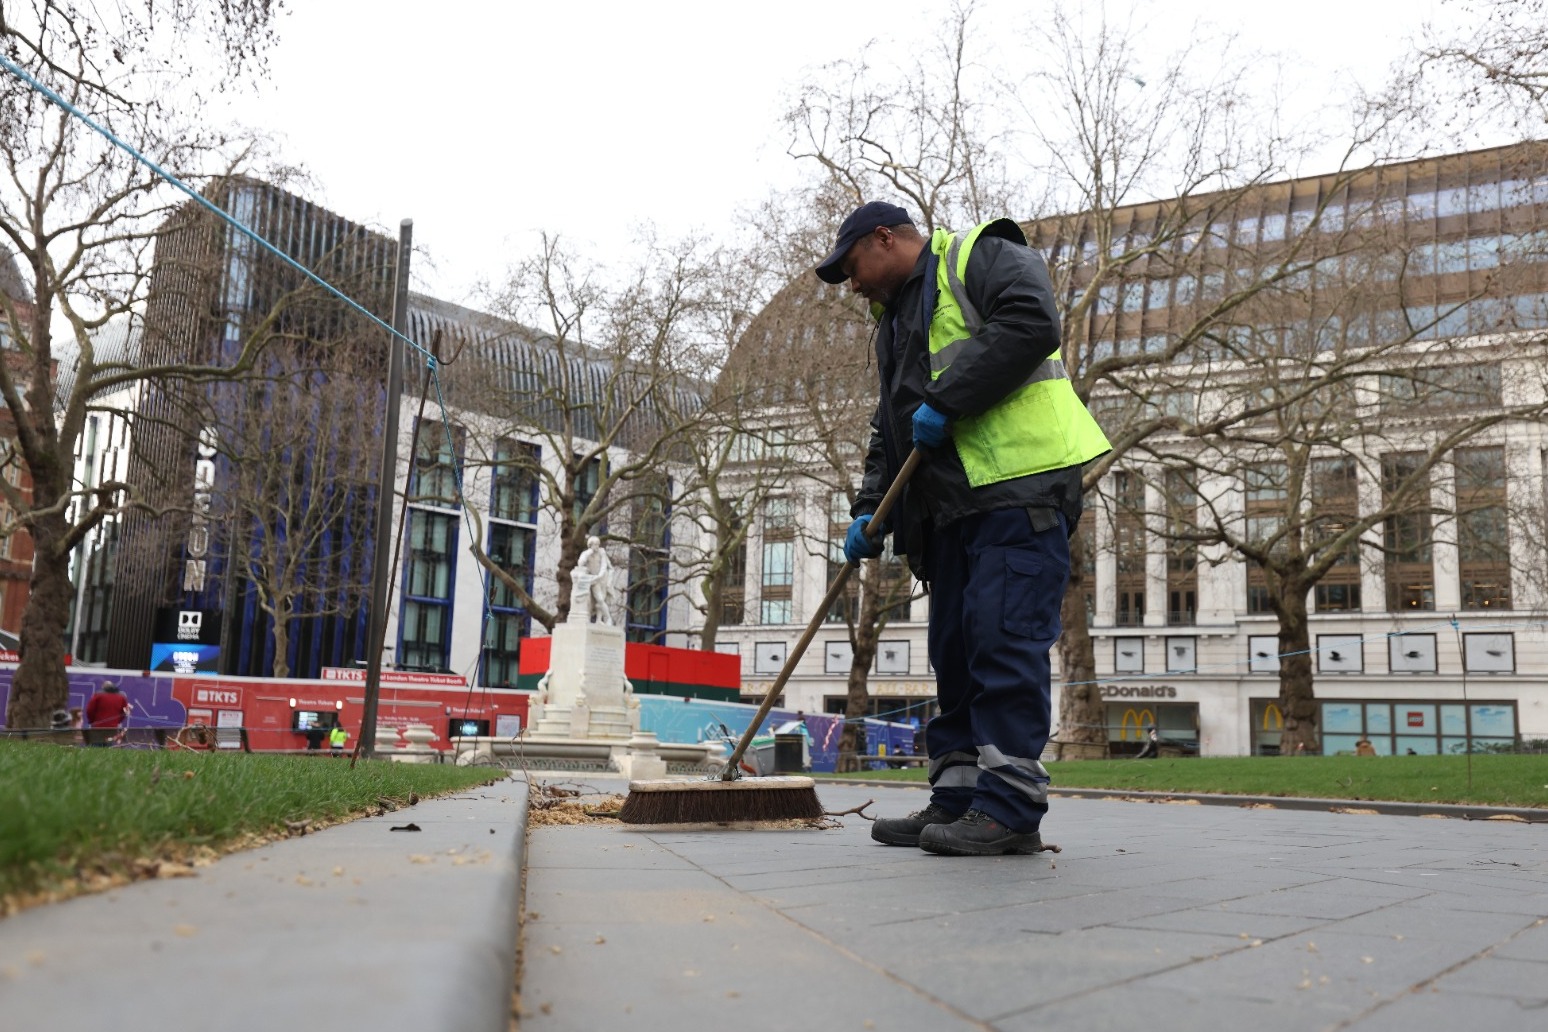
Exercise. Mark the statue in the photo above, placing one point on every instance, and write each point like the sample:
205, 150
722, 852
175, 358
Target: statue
591, 585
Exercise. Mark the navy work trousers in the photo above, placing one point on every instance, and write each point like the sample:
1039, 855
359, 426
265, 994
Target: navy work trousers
996, 587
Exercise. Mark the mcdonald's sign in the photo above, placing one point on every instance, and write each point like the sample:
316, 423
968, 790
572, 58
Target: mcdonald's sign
1141, 719
1273, 720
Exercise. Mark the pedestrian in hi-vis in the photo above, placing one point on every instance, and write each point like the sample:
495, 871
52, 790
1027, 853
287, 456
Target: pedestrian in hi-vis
968, 352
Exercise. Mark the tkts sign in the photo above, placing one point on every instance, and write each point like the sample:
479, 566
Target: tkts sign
197, 548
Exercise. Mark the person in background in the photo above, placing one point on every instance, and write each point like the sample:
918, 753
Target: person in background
1364, 747
106, 713
336, 739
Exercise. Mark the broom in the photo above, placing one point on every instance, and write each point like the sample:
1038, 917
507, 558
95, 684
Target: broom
726, 797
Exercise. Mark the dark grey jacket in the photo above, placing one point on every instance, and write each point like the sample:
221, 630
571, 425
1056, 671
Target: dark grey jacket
1008, 283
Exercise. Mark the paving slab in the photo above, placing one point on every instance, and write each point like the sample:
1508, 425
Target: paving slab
1157, 916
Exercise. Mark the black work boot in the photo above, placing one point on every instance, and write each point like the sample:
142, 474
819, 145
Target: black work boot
904, 831
976, 833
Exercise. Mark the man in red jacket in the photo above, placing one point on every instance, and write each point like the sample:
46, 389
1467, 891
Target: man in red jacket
105, 713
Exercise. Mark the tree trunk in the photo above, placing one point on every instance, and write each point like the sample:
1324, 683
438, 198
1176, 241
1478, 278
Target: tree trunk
570, 547
1297, 697
1082, 714
857, 703
714, 593
281, 642
41, 686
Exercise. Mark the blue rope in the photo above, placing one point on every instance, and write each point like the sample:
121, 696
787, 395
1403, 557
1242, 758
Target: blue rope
230, 220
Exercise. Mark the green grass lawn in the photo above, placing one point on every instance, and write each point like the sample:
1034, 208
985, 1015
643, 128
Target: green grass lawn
72, 816
1496, 780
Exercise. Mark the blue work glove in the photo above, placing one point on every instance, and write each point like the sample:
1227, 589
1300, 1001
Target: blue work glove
929, 427
857, 546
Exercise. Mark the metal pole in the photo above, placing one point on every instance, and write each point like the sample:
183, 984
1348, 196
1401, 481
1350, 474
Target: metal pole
380, 575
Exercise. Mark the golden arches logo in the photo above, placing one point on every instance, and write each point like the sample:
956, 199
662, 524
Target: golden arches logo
1141, 719
1273, 720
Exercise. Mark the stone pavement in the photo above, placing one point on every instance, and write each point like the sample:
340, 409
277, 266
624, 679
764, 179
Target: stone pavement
355, 926
1155, 916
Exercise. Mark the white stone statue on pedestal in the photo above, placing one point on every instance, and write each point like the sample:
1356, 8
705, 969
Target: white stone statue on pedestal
591, 585
585, 701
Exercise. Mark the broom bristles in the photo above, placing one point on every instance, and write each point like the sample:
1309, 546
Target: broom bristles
716, 802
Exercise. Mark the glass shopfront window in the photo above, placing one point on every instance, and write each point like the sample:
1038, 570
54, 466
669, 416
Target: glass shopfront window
1413, 728
1129, 723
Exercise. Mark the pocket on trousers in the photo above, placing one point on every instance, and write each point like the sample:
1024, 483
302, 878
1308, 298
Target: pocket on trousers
1034, 590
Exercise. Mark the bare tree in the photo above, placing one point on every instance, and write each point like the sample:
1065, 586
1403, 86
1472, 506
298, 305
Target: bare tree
1498, 64
803, 368
928, 136
82, 218
304, 460
1110, 125
607, 391
1154, 289
1309, 443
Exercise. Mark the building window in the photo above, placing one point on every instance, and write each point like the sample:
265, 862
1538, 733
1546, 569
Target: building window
733, 591
427, 591
778, 576
1086, 528
1493, 653
512, 547
1129, 724
778, 560
1129, 545
97, 597
515, 493
649, 564
437, 464
1129, 655
1266, 497
1440, 389
1483, 533
502, 647
588, 481
1424, 728
838, 656
1335, 507
769, 656
1182, 554
1406, 541
845, 608
1340, 654
1411, 653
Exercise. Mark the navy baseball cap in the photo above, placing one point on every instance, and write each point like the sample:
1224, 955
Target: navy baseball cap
862, 222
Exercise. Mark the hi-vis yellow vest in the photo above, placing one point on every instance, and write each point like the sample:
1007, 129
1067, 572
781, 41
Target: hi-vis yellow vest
1039, 426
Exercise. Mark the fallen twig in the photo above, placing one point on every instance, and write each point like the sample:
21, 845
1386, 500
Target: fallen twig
857, 810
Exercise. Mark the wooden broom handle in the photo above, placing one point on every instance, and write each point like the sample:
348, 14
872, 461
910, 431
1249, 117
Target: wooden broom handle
819, 617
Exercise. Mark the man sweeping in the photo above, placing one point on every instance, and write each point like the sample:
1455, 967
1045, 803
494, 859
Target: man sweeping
968, 353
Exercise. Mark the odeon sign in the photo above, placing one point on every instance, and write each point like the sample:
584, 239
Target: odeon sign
198, 544
1139, 691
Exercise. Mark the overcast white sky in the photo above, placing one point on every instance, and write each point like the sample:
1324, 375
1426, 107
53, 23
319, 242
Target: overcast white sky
489, 122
